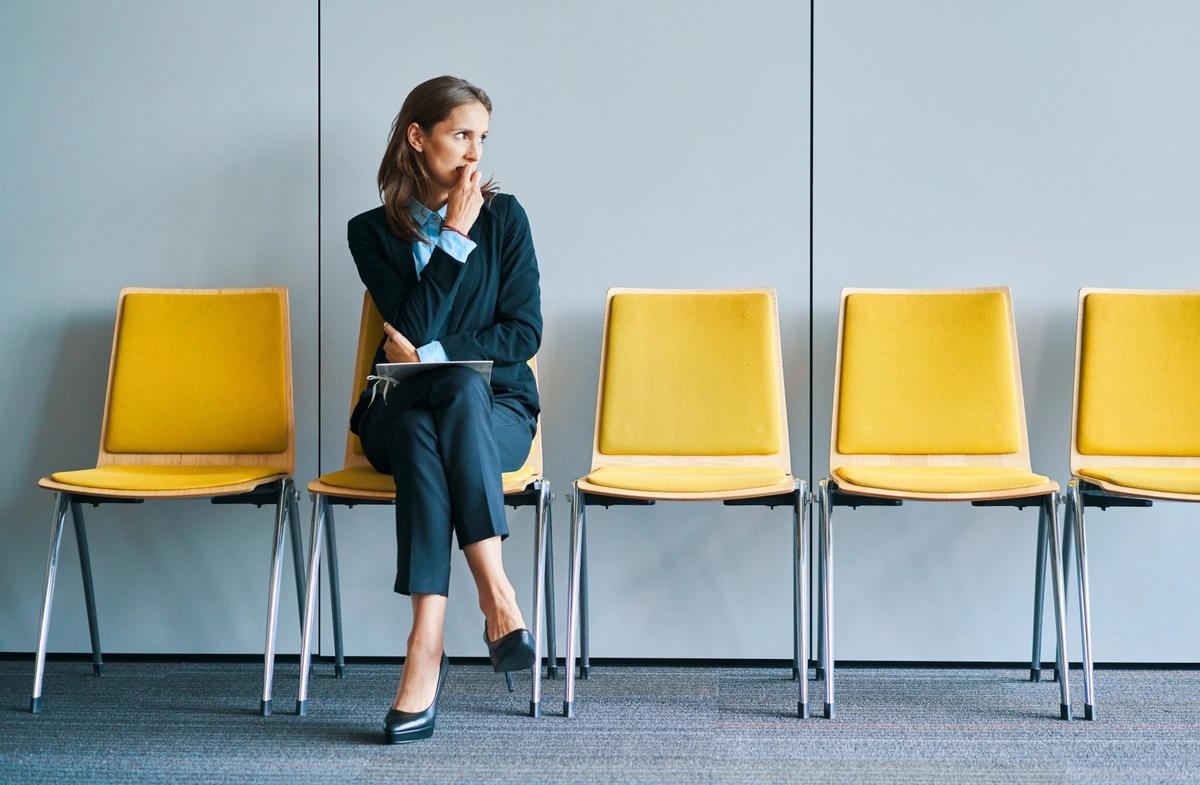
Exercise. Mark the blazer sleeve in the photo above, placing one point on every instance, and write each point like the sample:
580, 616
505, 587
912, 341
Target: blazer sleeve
517, 332
417, 308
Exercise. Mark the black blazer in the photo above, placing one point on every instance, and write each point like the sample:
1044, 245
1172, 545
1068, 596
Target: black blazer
488, 308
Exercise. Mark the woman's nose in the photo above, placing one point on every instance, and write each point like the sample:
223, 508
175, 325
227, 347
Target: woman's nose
475, 151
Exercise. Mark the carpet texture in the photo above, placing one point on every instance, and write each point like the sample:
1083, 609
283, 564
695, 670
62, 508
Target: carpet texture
199, 723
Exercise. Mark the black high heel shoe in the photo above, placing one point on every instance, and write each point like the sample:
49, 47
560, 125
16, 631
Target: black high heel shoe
513, 652
401, 727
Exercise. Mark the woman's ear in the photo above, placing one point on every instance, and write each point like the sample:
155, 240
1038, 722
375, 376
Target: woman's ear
415, 138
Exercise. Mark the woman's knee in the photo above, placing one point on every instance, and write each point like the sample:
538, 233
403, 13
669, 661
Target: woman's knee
459, 382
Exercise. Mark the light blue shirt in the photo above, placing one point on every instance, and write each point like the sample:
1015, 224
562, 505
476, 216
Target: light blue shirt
453, 243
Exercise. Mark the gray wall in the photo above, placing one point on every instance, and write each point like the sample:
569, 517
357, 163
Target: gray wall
956, 144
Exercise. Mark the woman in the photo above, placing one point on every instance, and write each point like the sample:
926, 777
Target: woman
451, 267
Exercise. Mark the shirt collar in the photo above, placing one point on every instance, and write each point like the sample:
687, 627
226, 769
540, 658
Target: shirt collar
423, 215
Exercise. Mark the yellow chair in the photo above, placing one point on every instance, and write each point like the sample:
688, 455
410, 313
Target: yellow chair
690, 407
198, 404
1135, 425
358, 483
927, 406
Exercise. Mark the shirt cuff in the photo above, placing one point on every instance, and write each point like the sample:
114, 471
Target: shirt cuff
456, 245
433, 352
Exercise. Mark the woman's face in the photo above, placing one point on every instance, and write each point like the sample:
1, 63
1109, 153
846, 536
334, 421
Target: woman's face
453, 143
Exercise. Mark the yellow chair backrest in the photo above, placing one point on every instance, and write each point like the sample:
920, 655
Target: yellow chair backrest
370, 334
1137, 386
690, 374
928, 373
200, 373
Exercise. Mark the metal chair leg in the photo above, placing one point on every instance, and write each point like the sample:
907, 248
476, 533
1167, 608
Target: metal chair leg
827, 594
573, 600
1060, 612
273, 597
1039, 596
797, 646
293, 516
335, 593
585, 662
1067, 543
57, 521
310, 601
89, 593
539, 581
551, 634
1075, 504
819, 605
800, 573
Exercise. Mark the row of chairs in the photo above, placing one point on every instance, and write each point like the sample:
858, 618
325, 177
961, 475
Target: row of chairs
690, 407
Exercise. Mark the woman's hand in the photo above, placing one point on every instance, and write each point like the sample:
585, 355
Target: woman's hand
397, 348
465, 201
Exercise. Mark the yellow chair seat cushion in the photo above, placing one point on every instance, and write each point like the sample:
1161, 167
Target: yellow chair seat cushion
165, 478
364, 478
939, 479
1162, 479
687, 479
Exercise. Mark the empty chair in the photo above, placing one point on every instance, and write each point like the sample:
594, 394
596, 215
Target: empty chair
1135, 425
690, 407
199, 404
927, 406
357, 482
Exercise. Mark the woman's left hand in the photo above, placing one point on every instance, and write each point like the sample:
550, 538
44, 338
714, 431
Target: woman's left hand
397, 348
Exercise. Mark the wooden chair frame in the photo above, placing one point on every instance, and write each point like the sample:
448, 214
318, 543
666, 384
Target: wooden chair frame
534, 492
1083, 492
834, 492
793, 493
277, 489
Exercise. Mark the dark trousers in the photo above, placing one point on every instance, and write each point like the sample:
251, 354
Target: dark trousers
446, 441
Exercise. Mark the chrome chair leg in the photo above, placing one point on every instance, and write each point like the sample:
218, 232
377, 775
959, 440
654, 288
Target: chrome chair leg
89, 593
1075, 504
800, 574
335, 593
57, 521
293, 516
1068, 532
1039, 597
310, 601
573, 600
539, 580
1060, 613
819, 605
551, 634
585, 663
827, 594
797, 645
273, 596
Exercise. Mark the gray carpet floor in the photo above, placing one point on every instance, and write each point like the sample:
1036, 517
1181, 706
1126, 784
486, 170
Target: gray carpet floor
199, 723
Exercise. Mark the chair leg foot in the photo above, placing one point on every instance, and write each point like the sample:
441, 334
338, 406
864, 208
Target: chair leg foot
585, 672
35, 705
802, 710
535, 709
1089, 711
1055, 679
795, 674
98, 669
265, 708
551, 671
568, 709
301, 708
339, 671
829, 713
1035, 674
819, 675
1064, 712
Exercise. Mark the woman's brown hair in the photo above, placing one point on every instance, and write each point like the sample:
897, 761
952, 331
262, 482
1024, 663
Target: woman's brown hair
402, 173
